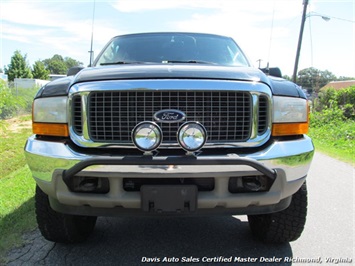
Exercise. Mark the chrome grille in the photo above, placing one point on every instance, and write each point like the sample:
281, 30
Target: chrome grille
263, 115
76, 118
226, 115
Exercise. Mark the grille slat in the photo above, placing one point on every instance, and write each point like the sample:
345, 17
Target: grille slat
77, 123
226, 115
263, 115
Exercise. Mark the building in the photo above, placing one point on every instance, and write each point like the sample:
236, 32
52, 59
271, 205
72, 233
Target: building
338, 85
29, 83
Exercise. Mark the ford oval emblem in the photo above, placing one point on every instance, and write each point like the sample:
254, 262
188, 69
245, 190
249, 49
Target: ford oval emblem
169, 116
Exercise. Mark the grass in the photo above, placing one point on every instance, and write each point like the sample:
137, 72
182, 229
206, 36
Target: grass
13, 134
336, 140
16, 184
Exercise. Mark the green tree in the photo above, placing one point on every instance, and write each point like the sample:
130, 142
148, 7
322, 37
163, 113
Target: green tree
39, 71
312, 79
325, 77
59, 65
55, 65
70, 62
345, 78
18, 67
287, 77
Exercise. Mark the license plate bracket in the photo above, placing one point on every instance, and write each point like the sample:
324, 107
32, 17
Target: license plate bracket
169, 199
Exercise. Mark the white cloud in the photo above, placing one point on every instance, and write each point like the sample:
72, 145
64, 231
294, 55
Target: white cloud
15, 32
144, 5
248, 22
50, 27
258, 9
31, 13
265, 29
255, 25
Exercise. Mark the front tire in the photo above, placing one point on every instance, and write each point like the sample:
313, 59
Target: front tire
59, 227
283, 226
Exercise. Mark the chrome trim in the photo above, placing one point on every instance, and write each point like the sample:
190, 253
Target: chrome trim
84, 100
180, 137
256, 139
156, 129
289, 158
255, 89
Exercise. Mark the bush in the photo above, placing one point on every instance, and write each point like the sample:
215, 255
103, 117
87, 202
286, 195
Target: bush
331, 99
332, 123
327, 99
329, 116
346, 96
349, 111
346, 101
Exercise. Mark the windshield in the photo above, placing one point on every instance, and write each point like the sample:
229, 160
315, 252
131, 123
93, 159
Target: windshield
172, 48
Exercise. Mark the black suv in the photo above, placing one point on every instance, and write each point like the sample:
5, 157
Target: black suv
170, 124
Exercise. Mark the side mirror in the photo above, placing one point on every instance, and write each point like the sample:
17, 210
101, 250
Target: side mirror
272, 71
74, 70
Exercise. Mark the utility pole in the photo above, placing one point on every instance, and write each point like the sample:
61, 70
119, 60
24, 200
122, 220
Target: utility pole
294, 76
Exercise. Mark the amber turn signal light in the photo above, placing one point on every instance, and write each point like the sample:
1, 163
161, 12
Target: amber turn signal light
287, 129
50, 129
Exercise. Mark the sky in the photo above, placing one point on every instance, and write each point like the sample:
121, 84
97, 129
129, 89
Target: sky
266, 30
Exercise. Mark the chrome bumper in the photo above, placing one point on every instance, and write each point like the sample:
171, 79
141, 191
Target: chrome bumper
54, 163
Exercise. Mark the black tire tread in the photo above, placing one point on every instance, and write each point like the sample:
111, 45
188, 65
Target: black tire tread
58, 227
283, 226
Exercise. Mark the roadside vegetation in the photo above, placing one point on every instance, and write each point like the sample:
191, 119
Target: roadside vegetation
333, 123
332, 129
16, 185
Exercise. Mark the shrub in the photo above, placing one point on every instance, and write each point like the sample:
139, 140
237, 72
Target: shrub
332, 102
346, 101
349, 111
327, 98
346, 96
329, 116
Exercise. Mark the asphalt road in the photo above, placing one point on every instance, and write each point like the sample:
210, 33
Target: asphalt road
328, 237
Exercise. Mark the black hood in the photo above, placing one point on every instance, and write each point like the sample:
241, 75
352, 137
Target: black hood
169, 71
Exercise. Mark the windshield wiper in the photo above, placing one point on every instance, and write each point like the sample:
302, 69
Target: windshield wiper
187, 62
164, 62
123, 63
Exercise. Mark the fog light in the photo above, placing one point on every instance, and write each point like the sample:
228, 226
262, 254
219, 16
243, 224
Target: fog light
192, 136
87, 184
147, 136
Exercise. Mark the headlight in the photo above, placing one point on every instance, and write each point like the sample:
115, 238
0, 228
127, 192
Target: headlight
49, 116
147, 136
289, 110
192, 136
290, 116
50, 110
